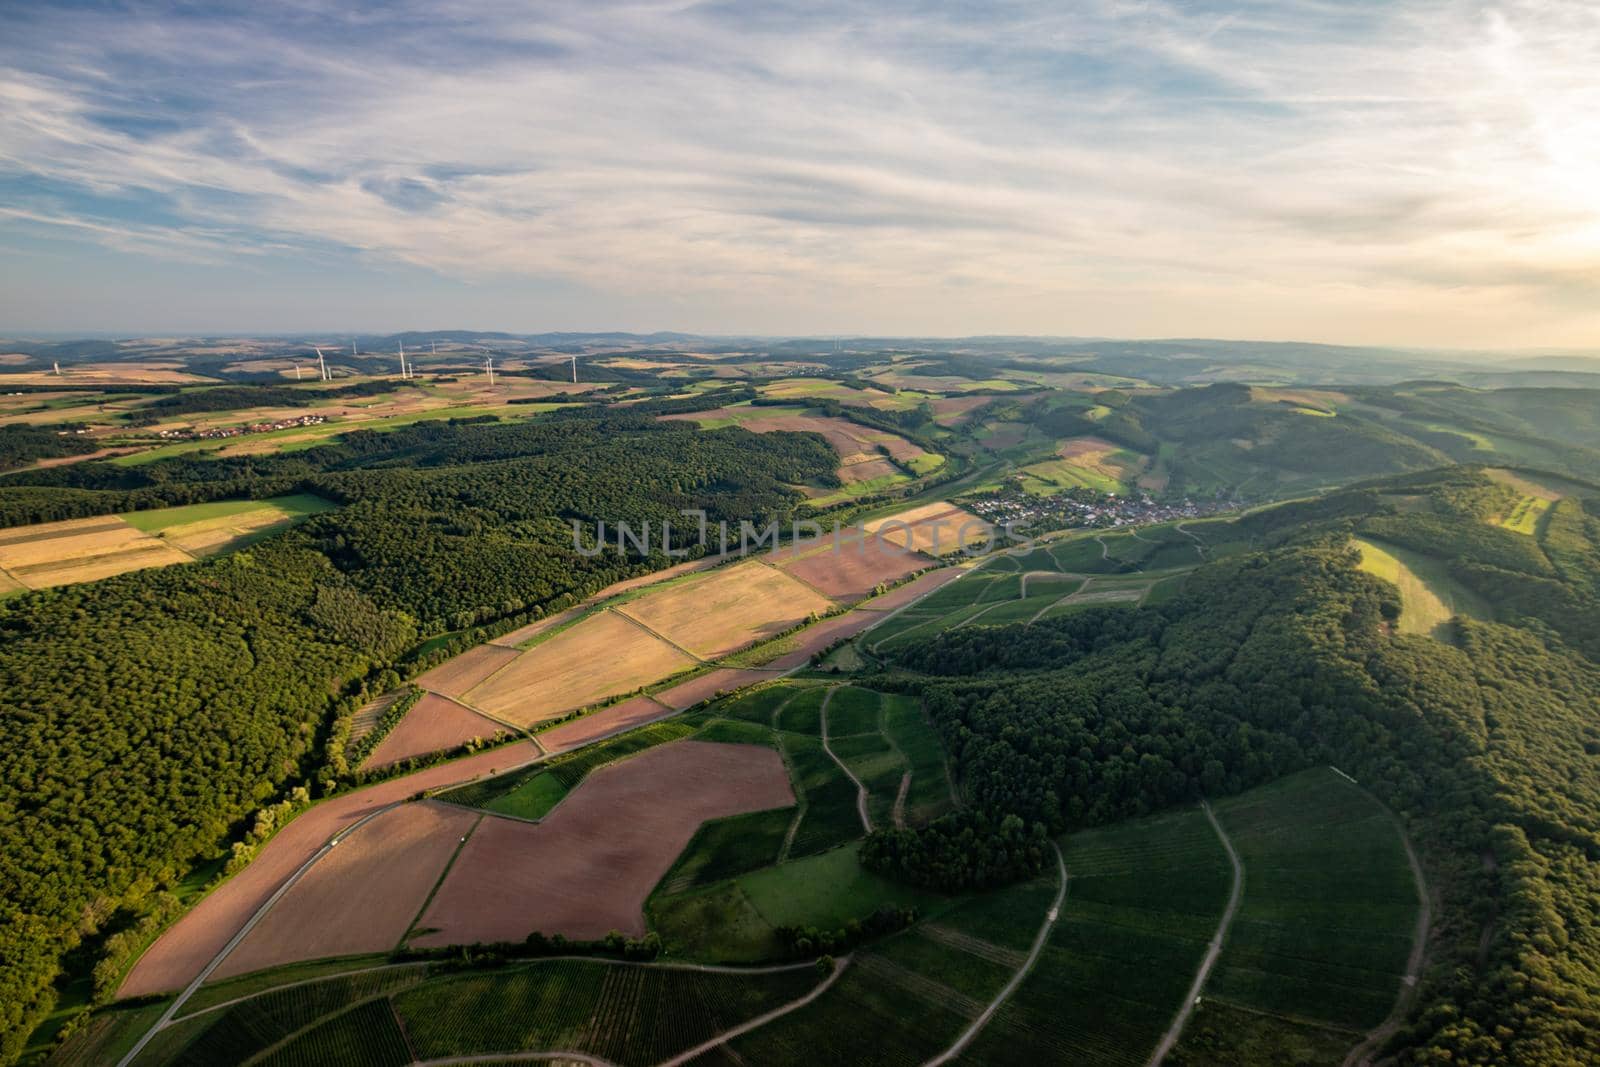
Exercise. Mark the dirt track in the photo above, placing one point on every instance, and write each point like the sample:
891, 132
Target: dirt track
191, 943
360, 897
1213, 950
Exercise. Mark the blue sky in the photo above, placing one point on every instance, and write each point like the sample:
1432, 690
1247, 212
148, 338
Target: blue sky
1403, 172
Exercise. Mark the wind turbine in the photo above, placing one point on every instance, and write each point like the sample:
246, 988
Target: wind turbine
404, 374
488, 365
297, 370
574, 368
322, 364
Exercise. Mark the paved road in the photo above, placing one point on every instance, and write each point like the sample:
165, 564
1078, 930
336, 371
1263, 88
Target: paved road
1213, 950
1016, 979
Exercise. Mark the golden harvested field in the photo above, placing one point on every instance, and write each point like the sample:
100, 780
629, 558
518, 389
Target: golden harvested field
936, 529
80, 550
604, 656
10, 587
727, 608
209, 534
1102, 457
134, 373
459, 674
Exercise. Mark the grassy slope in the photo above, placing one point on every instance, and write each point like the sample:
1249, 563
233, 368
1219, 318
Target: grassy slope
1429, 596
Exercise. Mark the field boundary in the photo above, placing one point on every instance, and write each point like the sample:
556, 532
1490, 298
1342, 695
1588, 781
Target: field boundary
439, 881
663, 638
1213, 950
1022, 972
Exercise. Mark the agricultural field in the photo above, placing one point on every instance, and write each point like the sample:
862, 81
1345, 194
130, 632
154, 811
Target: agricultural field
1143, 900
80, 550
909, 997
513, 878
84, 550
937, 529
736, 920
434, 724
207, 529
362, 896
604, 656
188, 945
1324, 934
624, 1014
855, 443
855, 568
1086, 462
1429, 595
725, 609
261, 1023
459, 675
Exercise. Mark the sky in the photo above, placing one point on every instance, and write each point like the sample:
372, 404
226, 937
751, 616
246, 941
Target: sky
1406, 172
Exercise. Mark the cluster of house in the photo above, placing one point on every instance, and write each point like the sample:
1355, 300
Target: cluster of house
239, 431
1085, 507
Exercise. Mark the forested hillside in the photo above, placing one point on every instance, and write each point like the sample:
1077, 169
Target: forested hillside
1284, 658
144, 718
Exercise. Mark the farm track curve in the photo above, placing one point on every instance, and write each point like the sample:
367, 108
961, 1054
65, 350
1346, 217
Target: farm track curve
1022, 972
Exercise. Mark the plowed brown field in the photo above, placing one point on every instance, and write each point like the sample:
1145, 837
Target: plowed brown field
587, 868
360, 897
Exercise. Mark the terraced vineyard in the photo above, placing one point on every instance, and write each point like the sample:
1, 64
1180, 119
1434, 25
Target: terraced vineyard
1143, 900
1316, 954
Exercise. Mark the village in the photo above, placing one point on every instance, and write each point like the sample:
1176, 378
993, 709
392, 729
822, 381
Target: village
214, 432
1080, 507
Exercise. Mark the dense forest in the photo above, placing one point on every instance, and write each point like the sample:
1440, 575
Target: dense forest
145, 717
1285, 658
22, 445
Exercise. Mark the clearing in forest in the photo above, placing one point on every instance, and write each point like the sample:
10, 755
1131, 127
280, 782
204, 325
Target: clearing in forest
1429, 596
209, 529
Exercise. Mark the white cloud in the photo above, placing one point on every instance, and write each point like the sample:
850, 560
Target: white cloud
1416, 172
